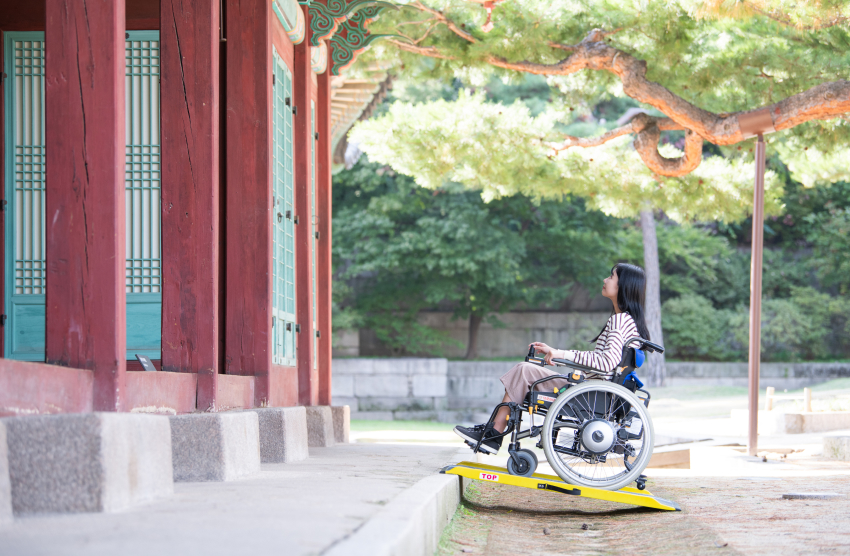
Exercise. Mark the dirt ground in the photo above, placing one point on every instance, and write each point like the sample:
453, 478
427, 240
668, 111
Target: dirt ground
720, 515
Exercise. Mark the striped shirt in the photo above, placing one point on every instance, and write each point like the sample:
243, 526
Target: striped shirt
609, 345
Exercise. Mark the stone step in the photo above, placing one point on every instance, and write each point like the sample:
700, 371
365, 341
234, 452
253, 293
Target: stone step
320, 426
5, 484
94, 462
283, 434
215, 446
342, 423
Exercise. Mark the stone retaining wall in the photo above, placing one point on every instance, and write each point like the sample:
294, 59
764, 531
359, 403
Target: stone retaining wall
424, 388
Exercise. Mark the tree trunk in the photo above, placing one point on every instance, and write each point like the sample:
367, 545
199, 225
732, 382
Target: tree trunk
654, 368
472, 344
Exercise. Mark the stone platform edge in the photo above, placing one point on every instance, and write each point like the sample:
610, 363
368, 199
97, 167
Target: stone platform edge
409, 525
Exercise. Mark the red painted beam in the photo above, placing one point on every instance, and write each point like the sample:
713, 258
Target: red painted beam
324, 269
283, 386
161, 393
235, 392
303, 92
84, 206
38, 389
16, 15
248, 276
189, 70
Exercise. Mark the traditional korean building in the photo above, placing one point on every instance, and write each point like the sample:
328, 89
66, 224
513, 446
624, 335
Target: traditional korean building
166, 186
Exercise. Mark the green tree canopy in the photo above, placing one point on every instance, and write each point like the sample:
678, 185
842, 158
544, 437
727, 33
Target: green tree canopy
703, 67
502, 150
405, 249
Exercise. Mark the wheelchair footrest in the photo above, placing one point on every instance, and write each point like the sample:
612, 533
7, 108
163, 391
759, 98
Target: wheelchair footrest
540, 481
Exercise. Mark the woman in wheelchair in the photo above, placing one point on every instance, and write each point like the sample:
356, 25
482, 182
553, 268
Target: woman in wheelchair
594, 426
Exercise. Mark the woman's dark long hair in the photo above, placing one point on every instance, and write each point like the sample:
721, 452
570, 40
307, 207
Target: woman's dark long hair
631, 294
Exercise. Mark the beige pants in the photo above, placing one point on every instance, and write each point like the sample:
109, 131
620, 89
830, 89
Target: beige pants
519, 379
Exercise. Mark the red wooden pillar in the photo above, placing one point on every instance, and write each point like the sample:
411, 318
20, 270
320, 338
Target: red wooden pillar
189, 70
324, 269
248, 303
84, 205
304, 143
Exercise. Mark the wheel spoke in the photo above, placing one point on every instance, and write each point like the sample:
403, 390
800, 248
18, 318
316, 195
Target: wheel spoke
570, 458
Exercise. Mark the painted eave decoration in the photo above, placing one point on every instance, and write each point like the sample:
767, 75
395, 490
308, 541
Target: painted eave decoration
319, 57
291, 16
342, 25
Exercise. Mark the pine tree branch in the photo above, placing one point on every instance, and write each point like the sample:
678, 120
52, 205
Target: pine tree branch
647, 130
825, 101
785, 20
821, 102
445, 20
428, 51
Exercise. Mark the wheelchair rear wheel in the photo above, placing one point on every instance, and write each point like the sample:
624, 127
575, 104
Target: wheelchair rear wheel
598, 434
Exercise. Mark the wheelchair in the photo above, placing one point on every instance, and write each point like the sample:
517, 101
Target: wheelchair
596, 433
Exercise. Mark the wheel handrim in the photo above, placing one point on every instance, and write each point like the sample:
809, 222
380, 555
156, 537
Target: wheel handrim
582, 405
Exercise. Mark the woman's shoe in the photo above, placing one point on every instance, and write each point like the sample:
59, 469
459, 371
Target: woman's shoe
472, 435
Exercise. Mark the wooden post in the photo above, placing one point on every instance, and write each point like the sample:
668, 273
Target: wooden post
324, 269
248, 302
189, 67
807, 399
755, 298
303, 89
768, 398
84, 205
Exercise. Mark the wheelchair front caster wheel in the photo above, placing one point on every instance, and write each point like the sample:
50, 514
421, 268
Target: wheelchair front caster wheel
641, 483
526, 464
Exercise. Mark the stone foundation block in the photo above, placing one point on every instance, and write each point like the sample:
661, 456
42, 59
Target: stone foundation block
215, 446
320, 426
5, 485
95, 462
837, 447
373, 415
344, 400
283, 434
381, 385
342, 423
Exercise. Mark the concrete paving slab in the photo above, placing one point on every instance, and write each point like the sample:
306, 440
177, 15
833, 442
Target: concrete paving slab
410, 525
320, 426
342, 423
215, 446
5, 485
283, 434
95, 462
295, 509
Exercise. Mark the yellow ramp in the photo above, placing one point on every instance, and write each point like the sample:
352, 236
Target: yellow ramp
539, 481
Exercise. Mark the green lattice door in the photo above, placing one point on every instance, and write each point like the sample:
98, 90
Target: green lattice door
25, 242
283, 215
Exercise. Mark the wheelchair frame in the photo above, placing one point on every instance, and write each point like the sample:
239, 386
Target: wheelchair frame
516, 410
538, 481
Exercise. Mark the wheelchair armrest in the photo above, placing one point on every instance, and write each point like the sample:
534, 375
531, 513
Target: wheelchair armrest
547, 378
577, 366
645, 345
568, 363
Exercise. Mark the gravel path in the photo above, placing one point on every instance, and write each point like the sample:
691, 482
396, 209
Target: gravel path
721, 515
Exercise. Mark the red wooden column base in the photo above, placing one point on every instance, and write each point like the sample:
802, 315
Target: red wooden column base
189, 42
84, 204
